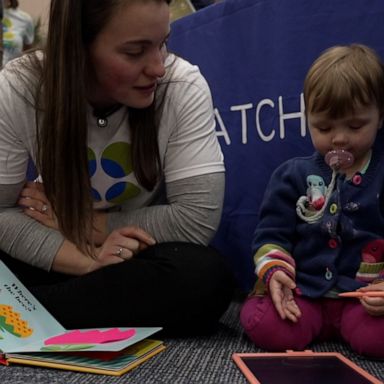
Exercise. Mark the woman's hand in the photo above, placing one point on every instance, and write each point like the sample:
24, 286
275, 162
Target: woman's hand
373, 305
123, 244
120, 245
36, 205
280, 289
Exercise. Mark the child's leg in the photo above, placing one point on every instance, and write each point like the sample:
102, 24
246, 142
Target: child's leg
267, 330
364, 333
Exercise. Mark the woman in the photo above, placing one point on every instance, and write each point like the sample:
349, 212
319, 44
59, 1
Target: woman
132, 173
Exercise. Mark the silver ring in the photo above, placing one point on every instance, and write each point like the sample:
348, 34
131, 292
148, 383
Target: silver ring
44, 208
119, 252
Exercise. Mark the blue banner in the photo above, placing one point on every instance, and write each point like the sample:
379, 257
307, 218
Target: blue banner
255, 54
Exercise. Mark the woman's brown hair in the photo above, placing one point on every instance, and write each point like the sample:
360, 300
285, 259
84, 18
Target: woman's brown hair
62, 123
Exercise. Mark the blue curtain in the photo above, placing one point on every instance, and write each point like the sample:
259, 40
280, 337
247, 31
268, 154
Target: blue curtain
255, 54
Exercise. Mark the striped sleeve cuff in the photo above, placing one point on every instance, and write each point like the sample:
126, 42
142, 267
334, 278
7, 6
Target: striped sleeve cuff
270, 259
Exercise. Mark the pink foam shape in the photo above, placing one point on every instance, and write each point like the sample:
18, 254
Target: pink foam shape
91, 337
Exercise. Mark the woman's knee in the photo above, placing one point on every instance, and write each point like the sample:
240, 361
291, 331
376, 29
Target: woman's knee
196, 283
196, 269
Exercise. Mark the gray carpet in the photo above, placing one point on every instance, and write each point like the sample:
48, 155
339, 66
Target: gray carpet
185, 361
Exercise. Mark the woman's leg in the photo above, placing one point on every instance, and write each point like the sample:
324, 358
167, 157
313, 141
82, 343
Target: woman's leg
363, 332
30, 275
267, 330
182, 287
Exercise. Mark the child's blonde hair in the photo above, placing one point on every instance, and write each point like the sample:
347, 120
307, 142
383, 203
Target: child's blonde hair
343, 78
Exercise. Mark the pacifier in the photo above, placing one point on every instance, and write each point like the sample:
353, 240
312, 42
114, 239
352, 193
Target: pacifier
339, 159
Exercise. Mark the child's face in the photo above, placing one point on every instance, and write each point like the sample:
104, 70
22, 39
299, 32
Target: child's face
354, 133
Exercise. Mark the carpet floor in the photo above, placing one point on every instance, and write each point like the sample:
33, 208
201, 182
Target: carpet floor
185, 361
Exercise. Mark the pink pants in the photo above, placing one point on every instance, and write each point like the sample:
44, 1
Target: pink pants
321, 319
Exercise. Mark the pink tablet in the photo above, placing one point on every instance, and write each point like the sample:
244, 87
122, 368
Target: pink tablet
305, 367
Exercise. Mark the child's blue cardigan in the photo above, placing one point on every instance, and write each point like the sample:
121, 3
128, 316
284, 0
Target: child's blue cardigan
329, 252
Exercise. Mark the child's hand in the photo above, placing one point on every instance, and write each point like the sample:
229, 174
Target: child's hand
280, 289
373, 305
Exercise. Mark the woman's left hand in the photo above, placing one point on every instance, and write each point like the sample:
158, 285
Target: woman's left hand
123, 244
373, 305
36, 205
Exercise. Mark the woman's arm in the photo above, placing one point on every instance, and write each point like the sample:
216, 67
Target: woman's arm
32, 242
192, 213
22, 237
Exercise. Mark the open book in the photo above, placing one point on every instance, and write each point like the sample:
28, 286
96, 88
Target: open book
29, 334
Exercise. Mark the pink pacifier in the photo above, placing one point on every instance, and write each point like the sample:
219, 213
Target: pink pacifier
339, 159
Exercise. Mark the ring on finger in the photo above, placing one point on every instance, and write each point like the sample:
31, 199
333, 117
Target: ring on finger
119, 252
44, 208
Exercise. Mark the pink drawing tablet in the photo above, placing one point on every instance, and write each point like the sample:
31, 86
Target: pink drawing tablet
301, 368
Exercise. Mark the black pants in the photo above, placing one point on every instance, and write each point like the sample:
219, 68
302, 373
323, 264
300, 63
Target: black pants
182, 287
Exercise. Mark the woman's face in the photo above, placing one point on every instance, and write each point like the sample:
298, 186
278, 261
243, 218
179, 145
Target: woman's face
127, 56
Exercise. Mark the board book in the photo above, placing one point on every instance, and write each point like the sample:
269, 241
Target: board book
301, 368
30, 335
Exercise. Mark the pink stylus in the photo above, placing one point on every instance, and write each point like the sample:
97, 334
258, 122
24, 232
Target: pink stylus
362, 293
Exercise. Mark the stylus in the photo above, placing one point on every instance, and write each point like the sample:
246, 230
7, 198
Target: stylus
362, 293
